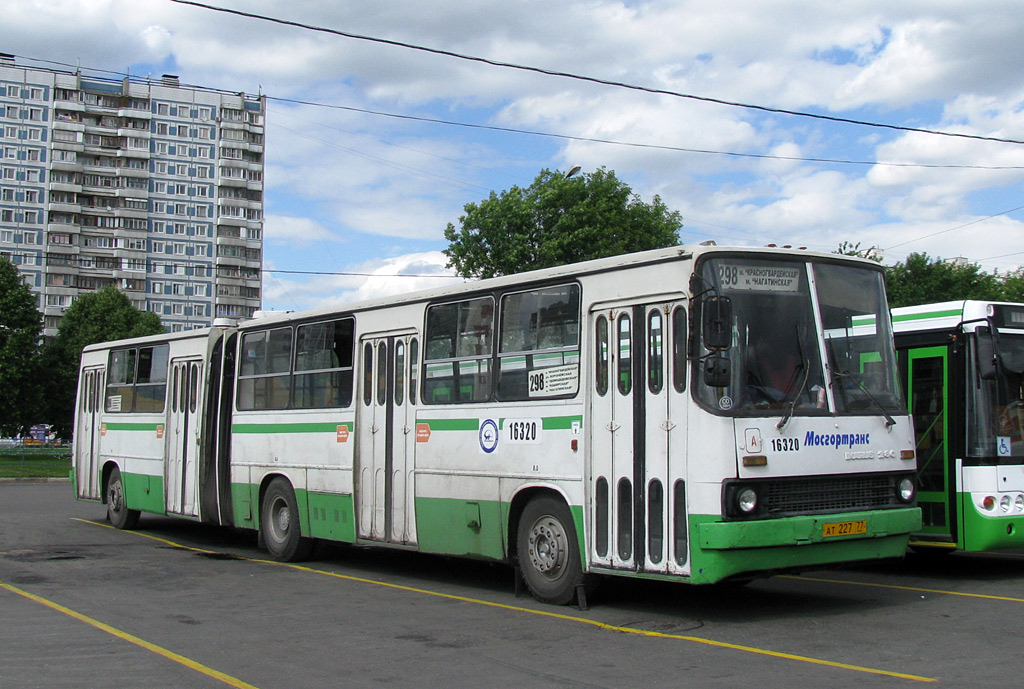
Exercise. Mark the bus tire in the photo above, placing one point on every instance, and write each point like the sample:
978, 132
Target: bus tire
279, 523
118, 513
548, 551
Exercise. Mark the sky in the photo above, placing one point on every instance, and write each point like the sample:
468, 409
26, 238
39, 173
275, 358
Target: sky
359, 190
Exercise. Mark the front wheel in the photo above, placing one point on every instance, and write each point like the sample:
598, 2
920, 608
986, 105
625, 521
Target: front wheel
279, 522
548, 551
117, 509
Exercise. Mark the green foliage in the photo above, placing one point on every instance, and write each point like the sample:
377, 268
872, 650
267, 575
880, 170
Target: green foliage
20, 326
848, 249
921, 280
98, 317
555, 221
1013, 286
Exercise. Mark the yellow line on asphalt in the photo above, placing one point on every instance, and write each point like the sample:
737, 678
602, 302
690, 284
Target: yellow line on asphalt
915, 589
553, 615
132, 639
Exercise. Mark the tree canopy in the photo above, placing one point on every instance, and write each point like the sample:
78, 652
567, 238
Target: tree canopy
921, 280
20, 326
555, 221
98, 317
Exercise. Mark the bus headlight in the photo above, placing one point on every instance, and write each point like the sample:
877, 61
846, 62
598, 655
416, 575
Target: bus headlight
905, 489
1004, 503
746, 500
1018, 504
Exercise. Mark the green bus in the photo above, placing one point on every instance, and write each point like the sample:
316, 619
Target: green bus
961, 363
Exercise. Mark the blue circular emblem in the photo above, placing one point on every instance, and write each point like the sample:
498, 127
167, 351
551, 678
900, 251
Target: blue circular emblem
488, 435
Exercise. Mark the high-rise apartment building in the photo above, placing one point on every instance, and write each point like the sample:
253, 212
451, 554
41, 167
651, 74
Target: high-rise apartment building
148, 185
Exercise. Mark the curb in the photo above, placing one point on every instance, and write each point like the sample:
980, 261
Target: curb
39, 479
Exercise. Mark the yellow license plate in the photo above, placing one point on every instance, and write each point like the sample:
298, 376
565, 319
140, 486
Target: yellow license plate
844, 528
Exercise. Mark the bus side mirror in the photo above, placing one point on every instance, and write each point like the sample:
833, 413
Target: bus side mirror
717, 322
987, 366
716, 372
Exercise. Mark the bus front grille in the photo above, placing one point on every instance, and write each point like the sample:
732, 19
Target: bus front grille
830, 494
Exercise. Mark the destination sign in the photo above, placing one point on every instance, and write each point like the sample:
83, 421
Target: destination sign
750, 278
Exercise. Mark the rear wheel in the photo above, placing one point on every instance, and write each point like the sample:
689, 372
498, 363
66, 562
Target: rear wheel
548, 551
117, 510
279, 523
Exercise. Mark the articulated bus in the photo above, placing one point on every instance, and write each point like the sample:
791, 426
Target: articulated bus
962, 364
696, 413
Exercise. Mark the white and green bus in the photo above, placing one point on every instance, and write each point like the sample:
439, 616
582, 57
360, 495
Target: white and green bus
630, 416
962, 363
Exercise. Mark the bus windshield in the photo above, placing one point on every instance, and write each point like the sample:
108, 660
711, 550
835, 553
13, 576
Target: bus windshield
775, 359
995, 406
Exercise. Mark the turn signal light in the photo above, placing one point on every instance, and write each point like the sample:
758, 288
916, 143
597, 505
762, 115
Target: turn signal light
906, 454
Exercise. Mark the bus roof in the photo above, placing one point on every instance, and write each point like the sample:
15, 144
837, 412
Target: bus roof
945, 315
572, 270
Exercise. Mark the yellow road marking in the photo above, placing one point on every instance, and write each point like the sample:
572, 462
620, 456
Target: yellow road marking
132, 639
549, 614
916, 589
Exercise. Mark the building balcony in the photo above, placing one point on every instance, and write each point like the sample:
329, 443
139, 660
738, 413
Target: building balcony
65, 165
67, 124
141, 153
137, 114
76, 146
69, 105
61, 207
64, 186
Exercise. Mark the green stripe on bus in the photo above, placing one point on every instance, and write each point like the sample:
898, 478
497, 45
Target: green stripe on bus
451, 424
551, 423
121, 426
930, 314
330, 427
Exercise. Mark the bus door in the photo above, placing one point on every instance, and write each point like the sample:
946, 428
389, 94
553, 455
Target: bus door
386, 438
183, 439
928, 399
637, 431
87, 434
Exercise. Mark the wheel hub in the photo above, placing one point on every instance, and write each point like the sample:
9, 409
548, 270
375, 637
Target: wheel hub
547, 547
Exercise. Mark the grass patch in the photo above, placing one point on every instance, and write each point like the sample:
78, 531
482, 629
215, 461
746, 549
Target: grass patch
35, 462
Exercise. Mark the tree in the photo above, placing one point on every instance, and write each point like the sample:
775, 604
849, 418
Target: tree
98, 317
1013, 286
555, 221
921, 280
20, 326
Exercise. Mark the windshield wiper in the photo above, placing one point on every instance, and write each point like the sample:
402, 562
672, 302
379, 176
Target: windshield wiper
889, 421
803, 383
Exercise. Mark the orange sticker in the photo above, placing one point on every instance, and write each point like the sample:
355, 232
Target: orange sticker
342, 434
422, 432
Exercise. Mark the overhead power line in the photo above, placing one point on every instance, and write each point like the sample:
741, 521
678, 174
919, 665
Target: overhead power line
958, 227
567, 137
633, 144
590, 79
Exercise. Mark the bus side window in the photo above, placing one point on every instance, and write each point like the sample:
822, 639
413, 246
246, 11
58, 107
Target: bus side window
458, 351
625, 367
264, 380
655, 352
414, 366
679, 349
323, 365
601, 356
399, 372
368, 374
121, 380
